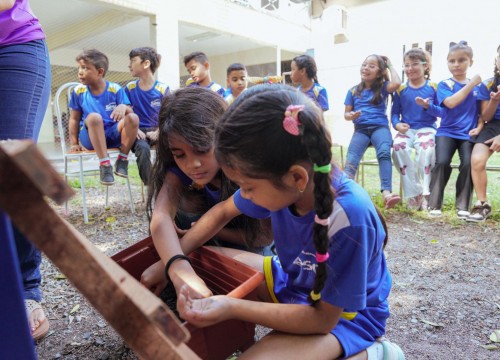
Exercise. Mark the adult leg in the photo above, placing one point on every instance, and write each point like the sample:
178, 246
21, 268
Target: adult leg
445, 148
142, 151
24, 94
402, 157
464, 179
480, 155
357, 147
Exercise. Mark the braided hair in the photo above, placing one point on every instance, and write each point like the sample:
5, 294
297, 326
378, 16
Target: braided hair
267, 151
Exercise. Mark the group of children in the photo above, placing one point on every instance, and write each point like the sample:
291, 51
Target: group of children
469, 112
254, 176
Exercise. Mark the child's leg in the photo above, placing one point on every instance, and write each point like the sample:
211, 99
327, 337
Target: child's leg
127, 127
426, 155
279, 345
480, 155
95, 128
359, 143
464, 180
445, 148
402, 157
381, 138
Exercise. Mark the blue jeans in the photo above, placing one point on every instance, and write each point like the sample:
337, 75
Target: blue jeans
24, 95
380, 137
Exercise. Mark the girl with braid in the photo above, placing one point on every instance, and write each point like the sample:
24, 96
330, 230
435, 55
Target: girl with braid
325, 292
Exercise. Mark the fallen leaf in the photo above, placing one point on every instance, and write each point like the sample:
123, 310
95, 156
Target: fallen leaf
110, 219
60, 276
490, 347
434, 241
75, 309
495, 336
431, 323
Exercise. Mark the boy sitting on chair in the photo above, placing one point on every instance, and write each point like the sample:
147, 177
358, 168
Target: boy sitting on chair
100, 116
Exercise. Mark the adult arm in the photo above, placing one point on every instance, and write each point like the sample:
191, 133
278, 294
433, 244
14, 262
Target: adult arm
6, 4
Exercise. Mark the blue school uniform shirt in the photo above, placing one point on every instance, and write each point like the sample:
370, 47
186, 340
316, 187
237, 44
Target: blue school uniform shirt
213, 196
484, 95
357, 274
406, 110
84, 101
146, 104
371, 115
318, 94
457, 122
212, 86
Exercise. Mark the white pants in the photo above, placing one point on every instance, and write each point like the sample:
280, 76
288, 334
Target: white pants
416, 174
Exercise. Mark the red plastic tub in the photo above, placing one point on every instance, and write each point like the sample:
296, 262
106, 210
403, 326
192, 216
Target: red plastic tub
224, 276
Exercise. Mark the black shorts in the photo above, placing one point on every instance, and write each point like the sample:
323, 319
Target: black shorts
489, 131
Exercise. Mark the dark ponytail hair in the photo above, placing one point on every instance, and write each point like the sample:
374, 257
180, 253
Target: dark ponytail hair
378, 84
496, 72
267, 151
307, 62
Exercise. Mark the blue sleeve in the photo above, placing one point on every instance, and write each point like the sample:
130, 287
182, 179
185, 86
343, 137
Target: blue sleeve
74, 102
349, 99
443, 92
121, 97
221, 91
396, 110
347, 267
483, 93
323, 99
436, 110
249, 208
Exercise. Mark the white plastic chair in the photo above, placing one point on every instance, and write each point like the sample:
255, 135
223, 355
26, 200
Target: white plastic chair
83, 163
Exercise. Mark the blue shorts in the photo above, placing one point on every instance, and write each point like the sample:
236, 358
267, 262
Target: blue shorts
356, 331
111, 133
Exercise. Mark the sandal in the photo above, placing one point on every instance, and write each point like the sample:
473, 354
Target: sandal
43, 326
391, 200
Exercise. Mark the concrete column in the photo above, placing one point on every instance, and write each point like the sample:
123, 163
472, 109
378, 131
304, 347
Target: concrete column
167, 42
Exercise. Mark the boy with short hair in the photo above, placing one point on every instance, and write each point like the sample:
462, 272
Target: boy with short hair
236, 82
198, 67
145, 95
100, 116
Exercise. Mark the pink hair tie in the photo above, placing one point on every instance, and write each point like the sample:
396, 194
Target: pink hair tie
324, 222
320, 258
291, 121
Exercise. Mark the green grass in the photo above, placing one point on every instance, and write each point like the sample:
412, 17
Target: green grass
93, 181
372, 185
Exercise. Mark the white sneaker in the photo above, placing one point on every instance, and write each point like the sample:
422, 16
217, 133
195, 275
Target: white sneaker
435, 213
463, 214
383, 349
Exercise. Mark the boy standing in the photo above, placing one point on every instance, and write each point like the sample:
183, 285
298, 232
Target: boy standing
100, 118
145, 95
198, 67
236, 82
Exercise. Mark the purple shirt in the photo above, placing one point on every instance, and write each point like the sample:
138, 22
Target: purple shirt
19, 25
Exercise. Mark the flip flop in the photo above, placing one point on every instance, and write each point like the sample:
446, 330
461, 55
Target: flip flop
391, 200
43, 328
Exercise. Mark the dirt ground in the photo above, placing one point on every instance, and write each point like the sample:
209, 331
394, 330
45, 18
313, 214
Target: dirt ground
445, 300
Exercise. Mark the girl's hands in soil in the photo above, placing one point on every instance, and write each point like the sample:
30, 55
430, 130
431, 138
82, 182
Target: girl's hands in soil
154, 279
202, 312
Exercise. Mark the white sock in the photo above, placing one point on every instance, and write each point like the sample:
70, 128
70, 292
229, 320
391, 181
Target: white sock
375, 351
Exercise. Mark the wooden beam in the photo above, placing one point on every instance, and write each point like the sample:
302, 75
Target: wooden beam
141, 318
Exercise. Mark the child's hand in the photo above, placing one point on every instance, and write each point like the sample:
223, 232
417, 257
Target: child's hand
76, 148
423, 102
153, 135
202, 312
476, 79
154, 279
402, 128
119, 112
353, 115
141, 135
495, 143
495, 96
475, 131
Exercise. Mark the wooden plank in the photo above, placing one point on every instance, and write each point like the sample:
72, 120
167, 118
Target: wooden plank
144, 322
